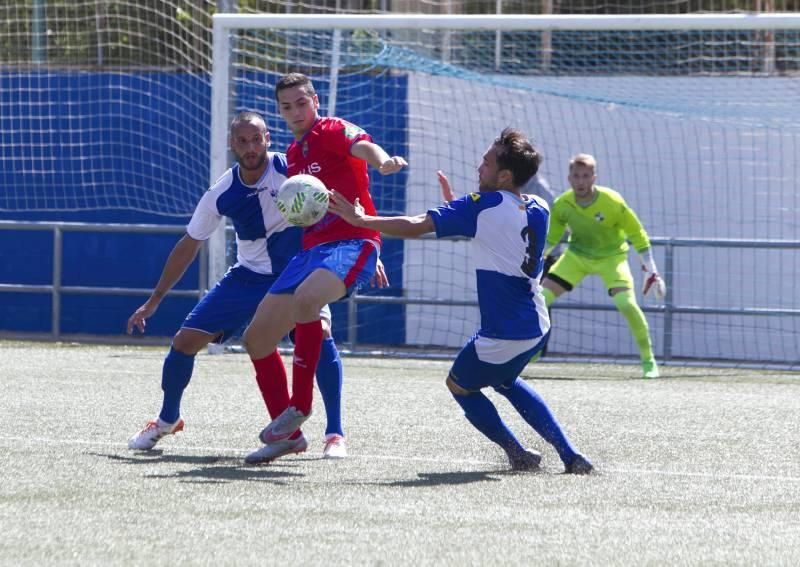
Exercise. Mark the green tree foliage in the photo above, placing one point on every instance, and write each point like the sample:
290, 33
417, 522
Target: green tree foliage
108, 33
177, 33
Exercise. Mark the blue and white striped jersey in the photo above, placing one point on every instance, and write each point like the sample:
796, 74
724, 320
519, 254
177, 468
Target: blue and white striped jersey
508, 235
265, 241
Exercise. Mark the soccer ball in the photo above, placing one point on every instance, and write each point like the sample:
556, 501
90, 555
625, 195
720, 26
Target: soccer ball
302, 200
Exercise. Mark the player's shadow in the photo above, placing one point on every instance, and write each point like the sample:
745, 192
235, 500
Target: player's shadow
445, 479
158, 456
220, 469
226, 474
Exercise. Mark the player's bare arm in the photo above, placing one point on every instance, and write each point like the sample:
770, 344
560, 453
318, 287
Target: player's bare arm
181, 257
377, 157
402, 226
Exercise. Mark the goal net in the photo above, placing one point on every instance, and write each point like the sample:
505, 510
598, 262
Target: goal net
695, 120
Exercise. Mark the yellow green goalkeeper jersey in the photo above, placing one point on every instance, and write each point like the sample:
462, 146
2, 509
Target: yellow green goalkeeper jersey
598, 230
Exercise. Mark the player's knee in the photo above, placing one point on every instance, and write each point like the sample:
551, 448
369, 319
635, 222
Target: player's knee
247, 340
624, 299
455, 389
306, 304
183, 348
189, 343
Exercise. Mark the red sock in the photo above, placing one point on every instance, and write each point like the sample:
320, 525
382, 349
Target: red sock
307, 345
271, 379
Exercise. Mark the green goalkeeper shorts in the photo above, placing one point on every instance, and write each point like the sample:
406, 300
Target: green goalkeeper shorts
571, 268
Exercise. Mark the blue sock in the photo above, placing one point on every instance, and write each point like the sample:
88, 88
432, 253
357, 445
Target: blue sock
481, 413
174, 378
533, 409
329, 380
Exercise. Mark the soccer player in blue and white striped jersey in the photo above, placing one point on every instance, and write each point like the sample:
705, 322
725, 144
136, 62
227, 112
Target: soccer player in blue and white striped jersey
508, 230
265, 243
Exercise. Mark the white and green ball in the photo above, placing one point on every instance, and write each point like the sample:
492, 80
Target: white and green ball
302, 200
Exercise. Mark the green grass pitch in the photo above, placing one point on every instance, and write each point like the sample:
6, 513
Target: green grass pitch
699, 467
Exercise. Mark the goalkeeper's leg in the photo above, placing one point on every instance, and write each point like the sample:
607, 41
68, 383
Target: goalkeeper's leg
616, 275
625, 301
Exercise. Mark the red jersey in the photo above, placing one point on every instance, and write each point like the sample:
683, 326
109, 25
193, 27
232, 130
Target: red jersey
324, 152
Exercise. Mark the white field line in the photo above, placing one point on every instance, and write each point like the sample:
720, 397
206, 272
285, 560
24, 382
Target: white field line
222, 451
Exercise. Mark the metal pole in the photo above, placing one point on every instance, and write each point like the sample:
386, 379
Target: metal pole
334, 75
514, 22
669, 304
498, 37
220, 111
39, 32
547, 38
202, 280
55, 316
352, 321
99, 24
447, 36
769, 42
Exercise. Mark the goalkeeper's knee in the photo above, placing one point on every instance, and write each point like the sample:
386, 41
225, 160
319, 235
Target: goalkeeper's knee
625, 301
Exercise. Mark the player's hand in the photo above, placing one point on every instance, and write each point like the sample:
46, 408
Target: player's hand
350, 212
379, 280
392, 165
447, 190
653, 283
139, 318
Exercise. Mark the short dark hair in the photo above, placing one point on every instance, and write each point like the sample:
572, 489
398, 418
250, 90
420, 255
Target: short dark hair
246, 117
294, 80
516, 154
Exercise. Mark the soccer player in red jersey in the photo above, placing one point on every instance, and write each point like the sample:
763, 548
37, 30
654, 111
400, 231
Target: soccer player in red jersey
336, 258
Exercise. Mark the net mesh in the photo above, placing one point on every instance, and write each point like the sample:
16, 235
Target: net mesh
104, 105
696, 129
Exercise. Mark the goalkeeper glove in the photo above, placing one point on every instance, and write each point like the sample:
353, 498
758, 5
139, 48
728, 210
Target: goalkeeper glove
652, 281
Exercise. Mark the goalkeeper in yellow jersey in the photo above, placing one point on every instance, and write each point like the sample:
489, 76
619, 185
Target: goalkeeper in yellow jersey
600, 223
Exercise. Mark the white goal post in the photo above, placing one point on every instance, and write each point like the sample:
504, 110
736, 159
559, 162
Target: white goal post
693, 118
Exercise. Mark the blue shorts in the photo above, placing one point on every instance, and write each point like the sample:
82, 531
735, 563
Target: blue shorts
230, 304
472, 373
352, 261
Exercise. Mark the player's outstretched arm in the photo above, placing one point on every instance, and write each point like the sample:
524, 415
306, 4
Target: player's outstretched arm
377, 157
403, 226
447, 190
181, 257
